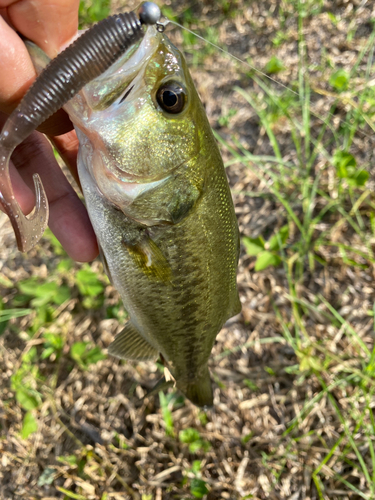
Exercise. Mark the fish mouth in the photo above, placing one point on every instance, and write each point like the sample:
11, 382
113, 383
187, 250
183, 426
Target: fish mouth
115, 83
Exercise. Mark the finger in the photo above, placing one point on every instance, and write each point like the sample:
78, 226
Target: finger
24, 195
67, 147
69, 220
17, 74
50, 24
16, 69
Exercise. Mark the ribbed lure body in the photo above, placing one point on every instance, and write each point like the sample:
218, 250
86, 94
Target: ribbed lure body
87, 58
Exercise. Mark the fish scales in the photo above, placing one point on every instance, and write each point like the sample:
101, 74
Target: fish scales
160, 204
181, 317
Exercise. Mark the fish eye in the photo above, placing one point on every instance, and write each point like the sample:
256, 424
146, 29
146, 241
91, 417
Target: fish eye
171, 97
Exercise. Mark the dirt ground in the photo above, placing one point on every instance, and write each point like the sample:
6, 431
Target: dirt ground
272, 424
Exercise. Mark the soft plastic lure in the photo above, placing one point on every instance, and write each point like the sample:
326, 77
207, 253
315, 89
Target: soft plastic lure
88, 57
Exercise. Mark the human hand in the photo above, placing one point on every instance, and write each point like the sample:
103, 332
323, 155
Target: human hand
51, 26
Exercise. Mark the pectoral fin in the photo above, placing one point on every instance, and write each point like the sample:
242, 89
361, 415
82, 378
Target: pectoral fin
129, 344
150, 259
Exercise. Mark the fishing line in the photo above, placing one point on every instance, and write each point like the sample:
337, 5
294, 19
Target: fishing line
258, 71
245, 63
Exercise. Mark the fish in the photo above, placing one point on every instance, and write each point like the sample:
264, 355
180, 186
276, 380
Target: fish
159, 201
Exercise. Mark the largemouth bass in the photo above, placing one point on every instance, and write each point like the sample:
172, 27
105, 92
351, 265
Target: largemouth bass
160, 204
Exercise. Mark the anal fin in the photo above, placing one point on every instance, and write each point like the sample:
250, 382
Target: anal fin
129, 344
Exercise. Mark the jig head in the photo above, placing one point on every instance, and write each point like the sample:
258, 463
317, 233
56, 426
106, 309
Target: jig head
82, 61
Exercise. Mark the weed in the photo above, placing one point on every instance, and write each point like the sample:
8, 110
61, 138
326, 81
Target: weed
92, 11
85, 355
91, 288
166, 404
198, 487
266, 253
274, 65
192, 437
321, 186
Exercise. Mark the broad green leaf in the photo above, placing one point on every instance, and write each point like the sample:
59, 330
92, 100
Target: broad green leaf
189, 435
26, 399
196, 466
198, 488
6, 282
64, 265
28, 286
62, 295
281, 236
266, 259
93, 302
94, 355
84, 356
44, 294
93, 11
245, 439
21, 299
346, 168
274, 65
339, 80
253, 245
334, 19
88, 283
30, 355
195, 446
29, 425
199, 444
54, 340
359, 178
77, 350
344, 162
47, 353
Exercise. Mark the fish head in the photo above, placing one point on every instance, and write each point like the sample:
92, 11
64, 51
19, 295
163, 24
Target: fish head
138, 122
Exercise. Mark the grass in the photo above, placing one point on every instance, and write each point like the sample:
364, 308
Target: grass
320, 157
295, 375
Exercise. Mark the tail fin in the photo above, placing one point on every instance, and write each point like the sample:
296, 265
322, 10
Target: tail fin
199, 391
